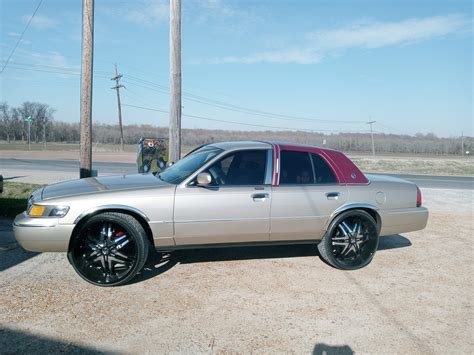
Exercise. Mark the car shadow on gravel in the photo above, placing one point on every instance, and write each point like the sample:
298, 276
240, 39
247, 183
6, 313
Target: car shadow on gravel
159, 263
22, 342
393, 242
11, 254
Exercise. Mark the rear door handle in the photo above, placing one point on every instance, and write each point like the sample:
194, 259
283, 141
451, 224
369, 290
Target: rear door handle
332, 195
259, 197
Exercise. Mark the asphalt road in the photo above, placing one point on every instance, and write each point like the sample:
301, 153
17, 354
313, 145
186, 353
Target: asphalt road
72, 166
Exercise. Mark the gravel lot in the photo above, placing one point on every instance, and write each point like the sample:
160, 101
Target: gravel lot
416, 297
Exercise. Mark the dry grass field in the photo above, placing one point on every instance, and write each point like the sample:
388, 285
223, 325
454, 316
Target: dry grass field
427, 165
401, 164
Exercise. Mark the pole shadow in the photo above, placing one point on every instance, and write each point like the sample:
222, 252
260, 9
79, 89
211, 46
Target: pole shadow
324, 349
22, 342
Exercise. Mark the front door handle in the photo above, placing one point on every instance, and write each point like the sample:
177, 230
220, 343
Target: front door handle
259, 197
332, 195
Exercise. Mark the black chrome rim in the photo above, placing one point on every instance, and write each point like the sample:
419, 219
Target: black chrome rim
354, 241
104, 252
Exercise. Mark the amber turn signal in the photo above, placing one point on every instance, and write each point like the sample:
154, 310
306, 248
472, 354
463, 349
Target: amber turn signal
37, 211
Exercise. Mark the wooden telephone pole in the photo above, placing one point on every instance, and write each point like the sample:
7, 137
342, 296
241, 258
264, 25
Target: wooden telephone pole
117, 87
175, 81
86, 88
372, 136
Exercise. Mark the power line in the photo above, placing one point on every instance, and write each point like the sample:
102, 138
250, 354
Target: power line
235, 122
63, 68
59, 70
228, 106
21, 36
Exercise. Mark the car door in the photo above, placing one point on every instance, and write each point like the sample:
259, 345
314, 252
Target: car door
305, 198
234, 208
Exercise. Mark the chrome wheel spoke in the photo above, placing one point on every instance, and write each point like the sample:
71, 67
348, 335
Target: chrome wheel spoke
91, 255
346, 250
121, 245
343, 227
124, 257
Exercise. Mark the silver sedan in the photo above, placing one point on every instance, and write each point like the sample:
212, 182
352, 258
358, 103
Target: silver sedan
222, 194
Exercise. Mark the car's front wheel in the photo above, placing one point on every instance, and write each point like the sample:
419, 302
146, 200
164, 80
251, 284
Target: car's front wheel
109, 249
350, 241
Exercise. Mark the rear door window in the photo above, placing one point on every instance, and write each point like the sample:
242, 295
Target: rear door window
295, 168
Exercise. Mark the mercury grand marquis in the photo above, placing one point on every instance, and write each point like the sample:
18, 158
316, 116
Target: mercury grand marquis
221, 194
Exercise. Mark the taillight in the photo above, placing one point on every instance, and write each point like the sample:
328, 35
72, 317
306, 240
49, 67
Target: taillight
418, 197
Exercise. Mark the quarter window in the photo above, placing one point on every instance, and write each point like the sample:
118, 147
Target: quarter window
322, 171
246, 167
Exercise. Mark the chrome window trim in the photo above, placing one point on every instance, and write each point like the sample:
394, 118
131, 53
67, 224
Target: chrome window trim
314, 173
311, 185
191, 177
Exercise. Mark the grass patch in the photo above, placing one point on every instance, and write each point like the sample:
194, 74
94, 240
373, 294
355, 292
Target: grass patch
14, 198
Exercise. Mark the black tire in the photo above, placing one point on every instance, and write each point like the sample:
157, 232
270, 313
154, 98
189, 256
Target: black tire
109, 249
347, 247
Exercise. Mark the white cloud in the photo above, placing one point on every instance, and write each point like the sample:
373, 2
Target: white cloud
147, 12
316, 46
13, 34
41, 22
150, 12
47, 61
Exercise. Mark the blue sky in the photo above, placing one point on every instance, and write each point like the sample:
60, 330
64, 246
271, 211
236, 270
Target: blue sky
405, 64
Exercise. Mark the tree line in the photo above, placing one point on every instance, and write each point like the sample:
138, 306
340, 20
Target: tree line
44, 128
13, 124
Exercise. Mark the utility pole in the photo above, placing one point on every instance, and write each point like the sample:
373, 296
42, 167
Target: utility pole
29, 119
86, 88
117, 87
175, 81
372, 136
462, 144
44, 133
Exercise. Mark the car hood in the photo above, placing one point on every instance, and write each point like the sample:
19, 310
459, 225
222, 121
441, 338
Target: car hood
101, 184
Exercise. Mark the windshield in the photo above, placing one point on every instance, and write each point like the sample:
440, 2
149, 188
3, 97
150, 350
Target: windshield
176, 173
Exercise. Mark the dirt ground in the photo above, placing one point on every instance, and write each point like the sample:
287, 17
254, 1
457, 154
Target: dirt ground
415, 297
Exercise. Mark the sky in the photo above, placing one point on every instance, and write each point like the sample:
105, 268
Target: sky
326, 66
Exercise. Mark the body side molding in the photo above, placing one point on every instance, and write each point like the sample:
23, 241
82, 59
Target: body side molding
111, 207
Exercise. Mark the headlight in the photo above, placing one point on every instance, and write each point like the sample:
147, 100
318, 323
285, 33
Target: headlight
47, 211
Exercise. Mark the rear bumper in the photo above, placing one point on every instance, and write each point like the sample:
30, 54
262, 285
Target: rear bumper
42, 234
403, 220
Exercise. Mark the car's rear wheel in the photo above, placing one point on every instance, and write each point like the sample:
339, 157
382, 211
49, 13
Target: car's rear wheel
109, 249
351, 240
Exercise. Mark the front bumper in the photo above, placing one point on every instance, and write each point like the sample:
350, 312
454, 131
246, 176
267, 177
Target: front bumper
42, 234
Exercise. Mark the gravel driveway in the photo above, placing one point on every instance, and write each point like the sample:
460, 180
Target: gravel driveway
416, 296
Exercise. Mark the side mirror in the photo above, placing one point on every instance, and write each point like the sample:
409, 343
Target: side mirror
203, 179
